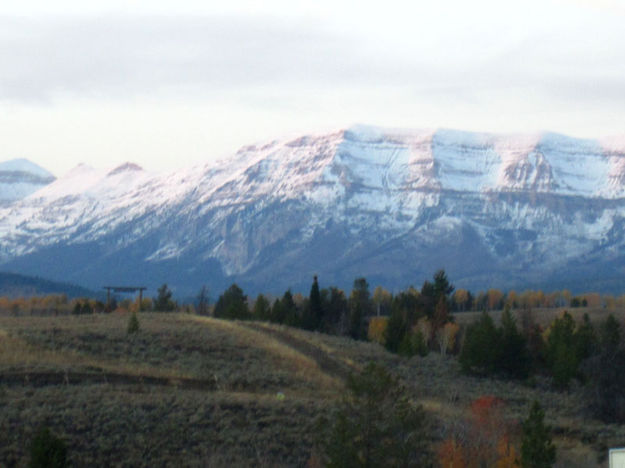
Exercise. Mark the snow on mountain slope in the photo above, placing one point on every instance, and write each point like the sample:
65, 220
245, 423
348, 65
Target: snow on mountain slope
388, 203
19, 178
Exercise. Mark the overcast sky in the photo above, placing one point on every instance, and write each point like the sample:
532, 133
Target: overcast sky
168, 84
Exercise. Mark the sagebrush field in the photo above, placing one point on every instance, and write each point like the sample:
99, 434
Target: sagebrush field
196, 391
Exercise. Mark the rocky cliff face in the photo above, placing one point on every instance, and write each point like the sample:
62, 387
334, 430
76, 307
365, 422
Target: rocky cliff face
495, 211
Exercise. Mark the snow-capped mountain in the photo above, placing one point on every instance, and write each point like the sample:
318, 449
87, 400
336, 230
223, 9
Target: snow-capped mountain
502, 211
19, 178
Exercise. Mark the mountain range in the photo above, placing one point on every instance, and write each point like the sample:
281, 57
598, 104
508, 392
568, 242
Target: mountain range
507, 211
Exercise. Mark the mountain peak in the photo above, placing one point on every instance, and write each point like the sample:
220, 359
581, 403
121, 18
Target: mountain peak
125, 167
356, 202
20, 178
24, 165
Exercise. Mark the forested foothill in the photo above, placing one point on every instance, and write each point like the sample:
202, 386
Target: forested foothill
429, 376
534, 335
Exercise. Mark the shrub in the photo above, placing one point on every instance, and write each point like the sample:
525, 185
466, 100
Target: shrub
47, 450
133, 324
413, 344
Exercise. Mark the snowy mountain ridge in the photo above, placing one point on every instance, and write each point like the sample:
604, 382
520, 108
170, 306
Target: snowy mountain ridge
494, 210
19, 178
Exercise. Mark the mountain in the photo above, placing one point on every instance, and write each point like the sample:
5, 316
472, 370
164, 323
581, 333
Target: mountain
506, 211
19, 178
14, 285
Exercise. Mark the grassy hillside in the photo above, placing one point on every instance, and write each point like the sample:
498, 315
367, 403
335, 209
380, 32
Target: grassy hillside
199, 391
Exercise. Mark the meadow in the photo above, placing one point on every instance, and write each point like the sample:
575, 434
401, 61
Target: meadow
199, 391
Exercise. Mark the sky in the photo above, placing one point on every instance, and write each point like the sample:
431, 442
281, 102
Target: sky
170, 84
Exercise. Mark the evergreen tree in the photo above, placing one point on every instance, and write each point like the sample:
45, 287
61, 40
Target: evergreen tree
604, 375
427, 298
313, 313
610, 334
585, 342
289, 310
433, 292
232, 304
395, 330
514, 359
262, 308
335, 311
277, 312
409, 304
537, 449
163, 301
480, 353
442, 287
560, 351
360, 307
375, 425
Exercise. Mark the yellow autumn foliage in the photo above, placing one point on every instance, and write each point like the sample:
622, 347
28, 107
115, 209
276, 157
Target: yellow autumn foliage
377, 327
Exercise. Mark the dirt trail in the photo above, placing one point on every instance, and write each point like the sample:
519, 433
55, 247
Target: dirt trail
326, 363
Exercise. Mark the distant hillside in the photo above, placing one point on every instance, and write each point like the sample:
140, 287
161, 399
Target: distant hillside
14, 285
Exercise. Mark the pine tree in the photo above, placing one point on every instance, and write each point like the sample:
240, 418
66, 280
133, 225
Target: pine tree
232, 304
610, 333
262, 309
289, 310
313, 313
163, 302
480, 353
560, 351
375, 425
585, 340
360, 306
442, 286
537, 449
604, 375
335, 311
514, 359
395, 331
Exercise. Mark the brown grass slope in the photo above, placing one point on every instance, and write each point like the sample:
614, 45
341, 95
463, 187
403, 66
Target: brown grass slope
197, 391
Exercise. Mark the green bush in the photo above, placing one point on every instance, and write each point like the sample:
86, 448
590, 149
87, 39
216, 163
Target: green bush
133, 324
47, 450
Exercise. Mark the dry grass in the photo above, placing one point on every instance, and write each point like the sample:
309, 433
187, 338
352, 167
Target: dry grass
18, 355
242, 422
295, 362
